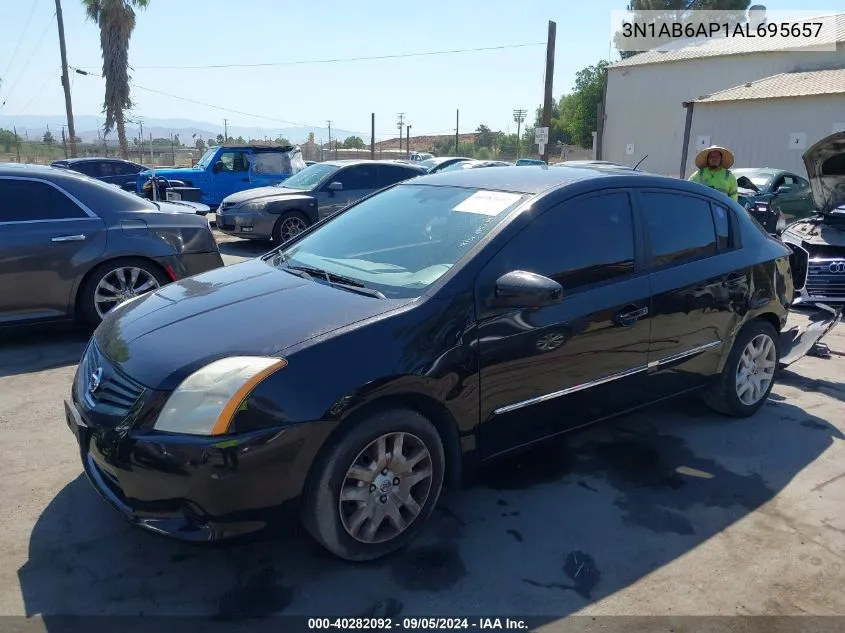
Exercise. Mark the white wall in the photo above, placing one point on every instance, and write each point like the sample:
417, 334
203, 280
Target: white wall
759, 132
643, 105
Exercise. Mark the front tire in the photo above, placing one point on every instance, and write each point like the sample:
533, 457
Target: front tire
288, 225
375, 487
113, 282
749, 373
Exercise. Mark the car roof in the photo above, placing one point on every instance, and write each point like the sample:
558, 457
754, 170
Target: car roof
27, 169
516, 180
346, 162
757, 170
88, 159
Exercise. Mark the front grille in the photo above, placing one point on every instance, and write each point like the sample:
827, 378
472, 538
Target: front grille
226, 205
115, 394
826, 278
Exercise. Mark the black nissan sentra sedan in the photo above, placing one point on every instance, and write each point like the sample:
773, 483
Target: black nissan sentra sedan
356, 369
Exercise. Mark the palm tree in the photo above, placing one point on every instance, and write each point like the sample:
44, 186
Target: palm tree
116, 19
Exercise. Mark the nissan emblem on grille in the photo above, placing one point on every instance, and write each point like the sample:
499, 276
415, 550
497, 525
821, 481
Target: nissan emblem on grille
837, 267
96, 379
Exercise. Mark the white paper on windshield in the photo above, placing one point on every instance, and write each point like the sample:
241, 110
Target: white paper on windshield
487, 202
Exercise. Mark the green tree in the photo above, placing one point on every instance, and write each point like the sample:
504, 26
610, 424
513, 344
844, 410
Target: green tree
353, 142
48, 139
116, 19
8, 139
582, 104
240, 140
220, 139
678, 11
200, 145
281, 140
485, 137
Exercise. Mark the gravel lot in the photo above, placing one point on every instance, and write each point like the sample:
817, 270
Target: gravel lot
672, 511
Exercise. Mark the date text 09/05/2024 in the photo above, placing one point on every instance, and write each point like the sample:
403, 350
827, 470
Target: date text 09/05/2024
677, 30
416, 624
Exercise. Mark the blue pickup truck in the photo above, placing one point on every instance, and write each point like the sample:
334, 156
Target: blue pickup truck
228, 169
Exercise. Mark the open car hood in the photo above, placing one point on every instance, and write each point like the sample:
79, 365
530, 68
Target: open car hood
825, 163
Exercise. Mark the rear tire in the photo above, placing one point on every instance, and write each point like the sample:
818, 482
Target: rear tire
147, 278
289, 224
749, 373
387, 495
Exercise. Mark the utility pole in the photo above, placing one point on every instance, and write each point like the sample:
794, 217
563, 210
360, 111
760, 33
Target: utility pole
64, 140
408, 140
550, 72
65, 81
225, 131
457, 123
17, 142
329, 123
373, 136
519, 117
399, 124
151, 149
172, 150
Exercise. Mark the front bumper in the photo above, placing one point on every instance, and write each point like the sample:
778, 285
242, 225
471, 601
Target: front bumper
810, 325
252, 225
192, 489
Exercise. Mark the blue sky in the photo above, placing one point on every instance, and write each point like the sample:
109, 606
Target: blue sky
485, 86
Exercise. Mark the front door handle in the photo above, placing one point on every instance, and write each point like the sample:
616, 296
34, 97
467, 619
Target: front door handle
629, 318
69, 238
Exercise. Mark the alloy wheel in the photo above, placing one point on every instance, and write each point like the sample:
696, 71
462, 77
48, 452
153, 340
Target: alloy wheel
385, 488
290, 227
122, 284
549, 342
756, 369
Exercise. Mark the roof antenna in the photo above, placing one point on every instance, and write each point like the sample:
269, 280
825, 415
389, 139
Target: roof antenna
640, 163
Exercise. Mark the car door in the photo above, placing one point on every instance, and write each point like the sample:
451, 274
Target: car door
544, 371
797, 202
230, 174
700, 286
46, 239
356, 181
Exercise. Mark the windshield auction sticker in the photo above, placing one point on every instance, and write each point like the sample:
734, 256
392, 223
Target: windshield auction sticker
487, 202
665, 31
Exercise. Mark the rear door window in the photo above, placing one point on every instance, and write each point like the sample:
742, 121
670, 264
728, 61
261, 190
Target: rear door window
390, 175
357, 177
91, 168
27, 200
679, 227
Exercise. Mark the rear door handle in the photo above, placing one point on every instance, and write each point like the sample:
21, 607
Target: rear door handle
629, 318
69, 238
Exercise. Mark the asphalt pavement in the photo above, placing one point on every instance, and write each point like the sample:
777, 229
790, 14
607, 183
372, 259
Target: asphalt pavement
671, 511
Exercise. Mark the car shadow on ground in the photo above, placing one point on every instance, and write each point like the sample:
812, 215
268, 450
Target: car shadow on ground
244, 248
37, 348
829, 388
550, 531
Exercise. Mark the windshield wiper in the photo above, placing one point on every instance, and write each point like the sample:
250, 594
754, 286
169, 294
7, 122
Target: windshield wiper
339, 281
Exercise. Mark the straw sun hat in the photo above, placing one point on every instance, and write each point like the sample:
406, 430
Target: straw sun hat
727, 157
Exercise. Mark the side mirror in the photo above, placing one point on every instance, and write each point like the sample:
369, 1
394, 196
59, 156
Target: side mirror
783, 189
335, 186
523, 289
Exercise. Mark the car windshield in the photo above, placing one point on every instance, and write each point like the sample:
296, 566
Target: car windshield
203, 162
464, 164
759, 179
431, 162
309, 177
401, 241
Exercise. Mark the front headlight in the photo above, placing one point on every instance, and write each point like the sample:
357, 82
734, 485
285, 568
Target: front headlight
207, 400
249, 207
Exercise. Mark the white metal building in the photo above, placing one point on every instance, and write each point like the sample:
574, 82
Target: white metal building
769, 122
643, 106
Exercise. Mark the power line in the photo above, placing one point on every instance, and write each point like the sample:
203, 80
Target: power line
20, 39
38, 92
34, 50
338, 59
209, 105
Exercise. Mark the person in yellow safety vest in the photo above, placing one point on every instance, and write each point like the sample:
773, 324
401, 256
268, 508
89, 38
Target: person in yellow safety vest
714, 170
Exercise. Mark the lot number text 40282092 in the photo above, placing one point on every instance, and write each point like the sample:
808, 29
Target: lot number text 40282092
416, 624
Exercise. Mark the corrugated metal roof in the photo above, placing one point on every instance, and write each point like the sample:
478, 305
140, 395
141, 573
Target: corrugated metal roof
723, 46
817, 82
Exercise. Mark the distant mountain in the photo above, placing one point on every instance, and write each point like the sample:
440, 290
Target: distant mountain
87, 126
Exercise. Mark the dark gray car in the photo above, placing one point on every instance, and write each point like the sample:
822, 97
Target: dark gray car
114, 171
72, 246
318, 191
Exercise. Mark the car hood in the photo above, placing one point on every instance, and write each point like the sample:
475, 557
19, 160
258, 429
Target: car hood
175, 172
262, 192
827, 230
825, 163
251, 308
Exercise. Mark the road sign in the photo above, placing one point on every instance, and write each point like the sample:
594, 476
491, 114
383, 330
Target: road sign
541, 136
